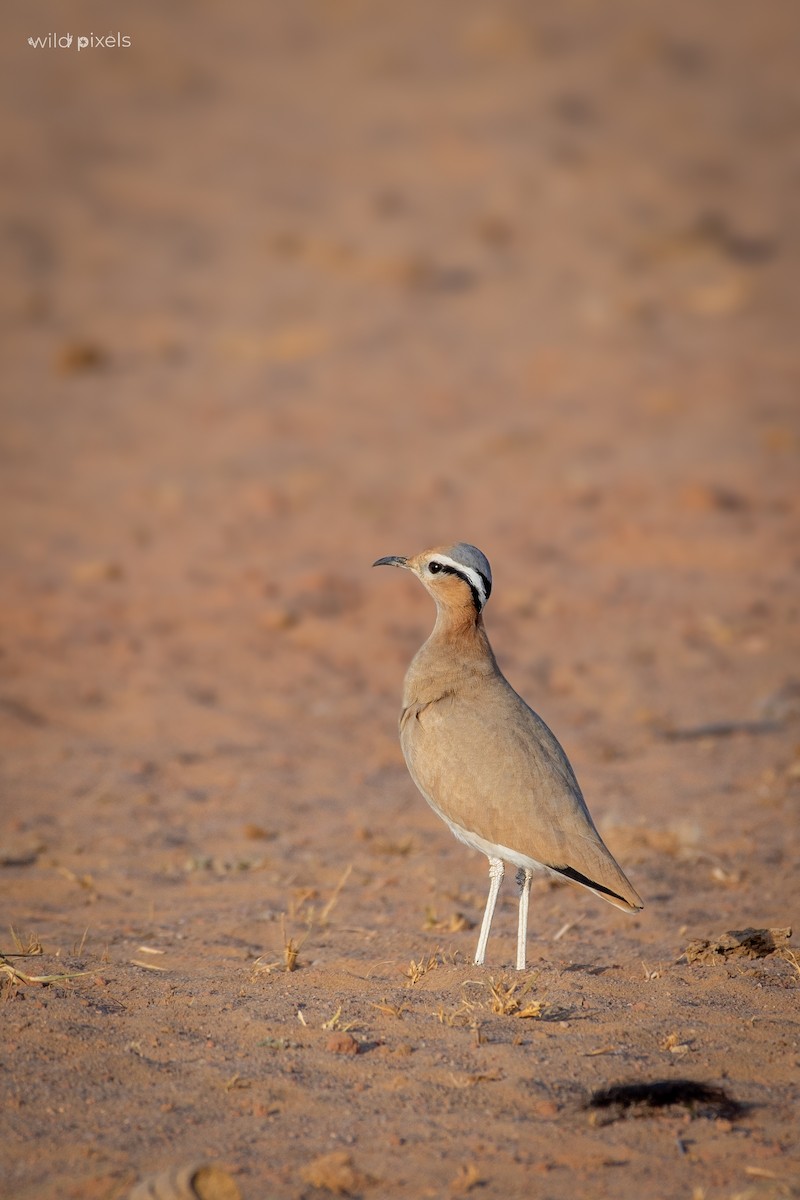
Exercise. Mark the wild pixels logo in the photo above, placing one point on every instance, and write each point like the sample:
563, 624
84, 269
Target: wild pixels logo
91, 41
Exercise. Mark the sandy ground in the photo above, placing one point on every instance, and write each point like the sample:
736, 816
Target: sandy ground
291, 286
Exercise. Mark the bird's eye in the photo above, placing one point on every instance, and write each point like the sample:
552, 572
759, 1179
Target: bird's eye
434, 568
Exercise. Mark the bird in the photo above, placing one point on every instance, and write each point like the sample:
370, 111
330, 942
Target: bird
487, 764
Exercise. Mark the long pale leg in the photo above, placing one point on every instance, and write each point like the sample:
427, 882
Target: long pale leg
496, 871
524, 878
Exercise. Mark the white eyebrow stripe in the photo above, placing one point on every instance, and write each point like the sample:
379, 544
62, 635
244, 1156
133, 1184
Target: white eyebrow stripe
472, 575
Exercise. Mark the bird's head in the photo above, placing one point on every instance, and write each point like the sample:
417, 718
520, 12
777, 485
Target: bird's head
456, 576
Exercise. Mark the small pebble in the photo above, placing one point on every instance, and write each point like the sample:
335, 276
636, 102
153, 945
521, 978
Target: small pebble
342, 1043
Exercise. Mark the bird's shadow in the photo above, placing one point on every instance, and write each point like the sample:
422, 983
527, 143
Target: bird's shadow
587, 968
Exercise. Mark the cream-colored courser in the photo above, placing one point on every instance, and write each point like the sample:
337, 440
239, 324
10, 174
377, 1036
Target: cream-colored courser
485, 761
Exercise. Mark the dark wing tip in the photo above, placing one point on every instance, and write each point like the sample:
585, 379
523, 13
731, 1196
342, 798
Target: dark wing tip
585, 881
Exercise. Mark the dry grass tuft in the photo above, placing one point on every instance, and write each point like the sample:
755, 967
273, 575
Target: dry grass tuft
291, 950
336, 1024
791, 957
13, 974
31, 947
77, 947
508, 999
459, 1017
416, 970
28, 946
288, 960
301, 908
391, 1010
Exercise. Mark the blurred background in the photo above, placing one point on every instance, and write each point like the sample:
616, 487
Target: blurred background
286, 287
291, 286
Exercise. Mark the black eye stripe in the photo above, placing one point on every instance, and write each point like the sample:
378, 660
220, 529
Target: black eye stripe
435, 567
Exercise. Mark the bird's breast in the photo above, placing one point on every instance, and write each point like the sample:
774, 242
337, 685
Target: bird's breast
494, 769
453, 753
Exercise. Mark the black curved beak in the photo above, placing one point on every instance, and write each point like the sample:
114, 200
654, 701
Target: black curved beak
391, 560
